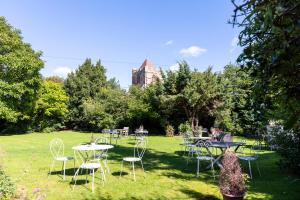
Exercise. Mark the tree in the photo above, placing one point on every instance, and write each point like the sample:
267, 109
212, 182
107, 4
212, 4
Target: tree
55, 79
81, 86
201, 96
196, 94
242, 110
51, 106
271, 39
20, 79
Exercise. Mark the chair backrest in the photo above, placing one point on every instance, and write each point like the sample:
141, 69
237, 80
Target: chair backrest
102, 140
202, 147
226, 137
79, 158
140, 148
57, 147
125, 130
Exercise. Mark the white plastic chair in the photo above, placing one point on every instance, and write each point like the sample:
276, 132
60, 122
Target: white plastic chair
203, 154
87, 164
138, 153
249, 156
57, 151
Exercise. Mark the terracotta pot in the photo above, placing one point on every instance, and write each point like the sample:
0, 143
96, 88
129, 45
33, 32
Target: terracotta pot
232, 197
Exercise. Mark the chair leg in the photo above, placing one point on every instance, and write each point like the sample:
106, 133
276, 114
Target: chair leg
103, 174
74, 166
75, 177
133, 171
258, 168
198, 167
250, 169
93, 179
86, 172
106, 166
142, 165
121, 168
51, 167
213, 170
64, 170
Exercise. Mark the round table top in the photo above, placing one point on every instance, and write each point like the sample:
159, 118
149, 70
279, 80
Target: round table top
201, 138
92, 147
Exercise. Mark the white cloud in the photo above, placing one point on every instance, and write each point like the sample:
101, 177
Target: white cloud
169, 42
174, 67
62, 71
234, 43
192, 51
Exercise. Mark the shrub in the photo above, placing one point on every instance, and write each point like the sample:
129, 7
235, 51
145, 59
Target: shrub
185, 127
169, 131
231, 177
7, 187
288, 146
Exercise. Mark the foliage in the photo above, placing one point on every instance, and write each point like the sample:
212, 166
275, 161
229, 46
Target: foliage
55, 79
143, 105
51, 106
82, 87
20, 79
288, 146
231, 177
196, 94
185, 127
107, 110
242, 110
7, 187
271, 39
169, 130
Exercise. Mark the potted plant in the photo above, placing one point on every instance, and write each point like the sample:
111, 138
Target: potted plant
232, 182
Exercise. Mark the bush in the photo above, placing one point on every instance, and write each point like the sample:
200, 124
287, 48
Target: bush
7, 187
169, 131
185, 127
288, 146
231, 177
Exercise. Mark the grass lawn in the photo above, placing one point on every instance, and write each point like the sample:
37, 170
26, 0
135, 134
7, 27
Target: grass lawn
26, 158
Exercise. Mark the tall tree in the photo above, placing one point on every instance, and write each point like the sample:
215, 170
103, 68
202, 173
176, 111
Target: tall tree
20, 77
82, 85
201, 96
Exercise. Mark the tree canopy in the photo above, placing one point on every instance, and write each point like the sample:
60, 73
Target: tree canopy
20, 79
270, 37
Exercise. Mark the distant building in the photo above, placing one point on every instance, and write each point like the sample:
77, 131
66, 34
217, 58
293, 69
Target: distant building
145, 75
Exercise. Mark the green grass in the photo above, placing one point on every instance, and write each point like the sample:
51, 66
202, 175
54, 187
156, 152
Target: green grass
26, 158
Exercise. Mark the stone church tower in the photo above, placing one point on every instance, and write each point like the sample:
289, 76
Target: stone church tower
145, 75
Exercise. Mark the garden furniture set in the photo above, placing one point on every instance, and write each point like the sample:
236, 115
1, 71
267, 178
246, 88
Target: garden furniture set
90, 157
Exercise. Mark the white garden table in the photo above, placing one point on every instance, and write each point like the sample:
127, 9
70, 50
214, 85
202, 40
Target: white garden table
86, 149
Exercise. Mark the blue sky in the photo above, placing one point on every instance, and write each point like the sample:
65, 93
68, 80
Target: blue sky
123, 33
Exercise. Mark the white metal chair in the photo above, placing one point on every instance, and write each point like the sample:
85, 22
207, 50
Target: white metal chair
88, 164
249, 156
104, 153
138, 153
125, 131
57, 151
204, 155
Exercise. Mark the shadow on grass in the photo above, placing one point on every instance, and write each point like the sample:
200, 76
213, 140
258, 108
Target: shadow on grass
118, 173
198, 195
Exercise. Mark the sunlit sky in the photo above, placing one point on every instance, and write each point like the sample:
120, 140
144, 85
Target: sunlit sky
123, 33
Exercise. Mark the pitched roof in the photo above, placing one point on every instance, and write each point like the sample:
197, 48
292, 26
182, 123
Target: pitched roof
147, 64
